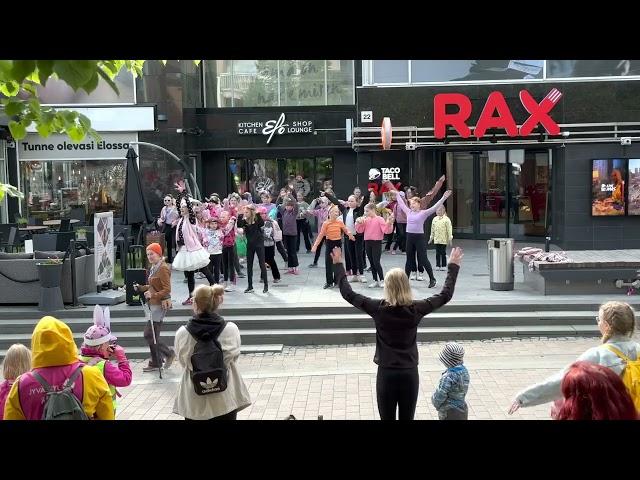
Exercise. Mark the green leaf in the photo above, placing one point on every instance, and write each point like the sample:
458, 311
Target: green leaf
107, 79
94, 135
10, 88
13, 107
91, 85
43, 129
11, 190
76, 73
31, 88
18, 131
76, 134
197, 62
84, 121
22, 69
1, 195
45, 69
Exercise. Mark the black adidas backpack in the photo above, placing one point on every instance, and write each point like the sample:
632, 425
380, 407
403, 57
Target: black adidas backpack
209, 373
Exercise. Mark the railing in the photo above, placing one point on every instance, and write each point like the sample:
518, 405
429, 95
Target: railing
242, 81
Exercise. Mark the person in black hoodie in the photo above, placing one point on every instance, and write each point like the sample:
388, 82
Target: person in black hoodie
252, 225
396, 318
354, 248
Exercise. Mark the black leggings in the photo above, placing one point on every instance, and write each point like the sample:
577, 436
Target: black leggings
397, 388
354, 249
191, 282
441, 255
305, 230
282, 251
227, 261
214, 266
401, 237
169, 239
374, 252
328, 261
417, 245
270, 258
290, 243
315, 259
259, 251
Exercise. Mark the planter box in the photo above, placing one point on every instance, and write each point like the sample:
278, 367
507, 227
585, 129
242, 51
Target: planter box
50, 274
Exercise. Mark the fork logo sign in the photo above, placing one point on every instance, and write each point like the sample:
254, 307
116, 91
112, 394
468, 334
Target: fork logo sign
495, 114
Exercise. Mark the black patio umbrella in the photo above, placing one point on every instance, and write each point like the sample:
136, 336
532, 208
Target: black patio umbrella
136, 209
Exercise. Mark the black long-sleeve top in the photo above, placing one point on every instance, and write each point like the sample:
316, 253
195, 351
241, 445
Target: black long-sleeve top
396, 326
357, 212
253, 231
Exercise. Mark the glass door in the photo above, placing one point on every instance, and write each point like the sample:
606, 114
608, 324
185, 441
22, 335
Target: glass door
461, 207
529, 192
492, 193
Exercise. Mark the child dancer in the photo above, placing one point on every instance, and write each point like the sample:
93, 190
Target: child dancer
215, 235
251, 223
168, 219
290, 232
374, 229
441, 236
16, 362
271, 233
228, 225
353, 248
332, 229
321, 213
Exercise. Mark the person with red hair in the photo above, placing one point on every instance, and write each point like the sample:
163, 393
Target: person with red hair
594, 392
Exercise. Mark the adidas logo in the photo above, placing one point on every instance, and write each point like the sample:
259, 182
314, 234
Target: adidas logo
210, 385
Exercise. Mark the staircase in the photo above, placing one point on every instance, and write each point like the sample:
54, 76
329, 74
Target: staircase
274, 327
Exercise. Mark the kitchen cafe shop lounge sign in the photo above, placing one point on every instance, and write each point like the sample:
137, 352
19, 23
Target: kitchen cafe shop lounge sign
60, 147
279, 126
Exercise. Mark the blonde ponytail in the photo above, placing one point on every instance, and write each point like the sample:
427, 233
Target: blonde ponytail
208, 298
619, 319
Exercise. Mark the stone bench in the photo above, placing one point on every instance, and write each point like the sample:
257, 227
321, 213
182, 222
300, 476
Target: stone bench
591, 272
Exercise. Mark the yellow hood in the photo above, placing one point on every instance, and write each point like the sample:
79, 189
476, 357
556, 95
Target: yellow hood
52, 344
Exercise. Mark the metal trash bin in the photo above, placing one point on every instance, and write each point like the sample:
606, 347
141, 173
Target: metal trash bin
500, 259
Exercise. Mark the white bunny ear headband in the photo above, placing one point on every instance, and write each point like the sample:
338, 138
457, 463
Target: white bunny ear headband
102, 317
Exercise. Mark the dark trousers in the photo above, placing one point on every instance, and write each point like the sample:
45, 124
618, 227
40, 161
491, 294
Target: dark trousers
328, 261
215, 262
389, 237
441, 255
255, 250
236, 260
191, 282
354, 249
305, 230
227, 262
270, 258
417, 246
229, 416
290, 243
317, 256
374, 252
397, 388
159, 351
455, 414
282, 251
169, 238
401, 237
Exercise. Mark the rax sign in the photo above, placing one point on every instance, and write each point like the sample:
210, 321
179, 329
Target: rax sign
539, 114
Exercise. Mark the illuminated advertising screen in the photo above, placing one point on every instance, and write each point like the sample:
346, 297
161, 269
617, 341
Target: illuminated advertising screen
608, 187
633, 187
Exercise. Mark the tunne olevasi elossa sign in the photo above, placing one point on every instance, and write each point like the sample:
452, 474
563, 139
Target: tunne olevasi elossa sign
273, 127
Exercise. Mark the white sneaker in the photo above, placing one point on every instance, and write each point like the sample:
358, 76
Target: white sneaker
420, 278
352, 279
363, 279
373, 285
228, 287
381, 284
412, 276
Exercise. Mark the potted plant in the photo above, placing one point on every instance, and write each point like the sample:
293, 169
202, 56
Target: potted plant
81, 234
50, 274
22, 222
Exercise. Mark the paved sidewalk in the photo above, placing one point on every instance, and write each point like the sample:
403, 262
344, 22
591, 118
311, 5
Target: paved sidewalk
338, 382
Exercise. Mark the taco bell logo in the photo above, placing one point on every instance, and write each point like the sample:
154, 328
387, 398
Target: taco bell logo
392, 173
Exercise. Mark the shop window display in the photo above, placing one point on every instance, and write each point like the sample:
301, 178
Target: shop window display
55, 188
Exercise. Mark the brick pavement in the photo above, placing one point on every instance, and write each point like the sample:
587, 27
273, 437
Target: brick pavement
338, 382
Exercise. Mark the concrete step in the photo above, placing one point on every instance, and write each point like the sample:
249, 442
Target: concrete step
291, 320
141, 353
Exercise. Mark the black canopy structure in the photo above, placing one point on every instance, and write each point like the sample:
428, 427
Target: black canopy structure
136, 209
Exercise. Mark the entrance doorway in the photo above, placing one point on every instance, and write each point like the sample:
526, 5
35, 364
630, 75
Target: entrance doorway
499, 193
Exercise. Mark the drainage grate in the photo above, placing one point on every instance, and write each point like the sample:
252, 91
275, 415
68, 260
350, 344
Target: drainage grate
480, 275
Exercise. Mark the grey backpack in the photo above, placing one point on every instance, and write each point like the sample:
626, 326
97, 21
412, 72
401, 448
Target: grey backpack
61, 404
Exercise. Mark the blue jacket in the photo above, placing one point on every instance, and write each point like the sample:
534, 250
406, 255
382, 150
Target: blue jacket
452, 389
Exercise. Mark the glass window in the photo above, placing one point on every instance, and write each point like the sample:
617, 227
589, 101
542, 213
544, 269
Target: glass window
159, 173
324, 174
264, 176
390, 71
237, 175
299, 175
302, 82
59, 93
464, 70
592, 68
54, 188
340, 82
529, 187
257, 88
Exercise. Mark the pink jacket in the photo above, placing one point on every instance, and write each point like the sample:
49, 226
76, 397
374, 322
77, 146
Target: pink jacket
117, 375
374, 228
4, 393
190, 233
229, 230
